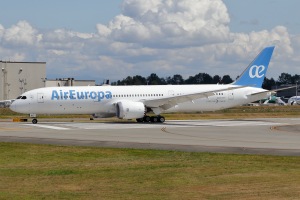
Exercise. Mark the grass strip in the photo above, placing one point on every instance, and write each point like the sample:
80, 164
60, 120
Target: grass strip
30, 171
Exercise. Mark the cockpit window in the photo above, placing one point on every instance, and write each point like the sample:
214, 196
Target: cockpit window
22, 97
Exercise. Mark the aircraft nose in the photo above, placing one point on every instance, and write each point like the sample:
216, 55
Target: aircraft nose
13, 107
20, 106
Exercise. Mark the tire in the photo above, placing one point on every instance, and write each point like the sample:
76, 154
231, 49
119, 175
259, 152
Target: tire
146, 119
139, 120
161, 119
154, 119
34, 121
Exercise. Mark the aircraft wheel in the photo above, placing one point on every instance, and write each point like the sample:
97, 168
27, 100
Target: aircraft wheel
146, 119
161, 119
34, 121
139, 120
154, 119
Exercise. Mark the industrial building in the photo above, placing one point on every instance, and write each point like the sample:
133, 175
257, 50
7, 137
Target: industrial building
289, 92
62, 82
19, 77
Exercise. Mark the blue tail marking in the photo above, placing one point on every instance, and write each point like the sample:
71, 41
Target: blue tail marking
255, 73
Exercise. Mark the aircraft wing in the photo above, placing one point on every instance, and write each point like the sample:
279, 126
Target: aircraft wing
169, 102
272, 91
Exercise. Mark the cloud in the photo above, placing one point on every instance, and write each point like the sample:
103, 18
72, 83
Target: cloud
151, 36
20, 34
165, 23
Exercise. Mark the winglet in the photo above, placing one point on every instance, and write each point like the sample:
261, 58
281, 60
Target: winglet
255, 73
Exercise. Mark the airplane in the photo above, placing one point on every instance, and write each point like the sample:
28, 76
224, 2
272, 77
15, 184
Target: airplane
294, 100
273, 100
136, 102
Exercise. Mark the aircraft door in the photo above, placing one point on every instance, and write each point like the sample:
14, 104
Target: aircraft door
40, 97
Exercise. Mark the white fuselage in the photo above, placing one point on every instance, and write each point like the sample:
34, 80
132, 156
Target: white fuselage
101, 100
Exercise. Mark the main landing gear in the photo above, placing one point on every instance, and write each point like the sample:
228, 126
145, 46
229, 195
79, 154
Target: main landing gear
153, 119
34, 121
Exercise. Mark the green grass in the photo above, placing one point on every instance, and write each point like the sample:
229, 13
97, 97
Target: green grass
57, 172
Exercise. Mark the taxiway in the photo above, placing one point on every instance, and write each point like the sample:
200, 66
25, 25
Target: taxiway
248, 136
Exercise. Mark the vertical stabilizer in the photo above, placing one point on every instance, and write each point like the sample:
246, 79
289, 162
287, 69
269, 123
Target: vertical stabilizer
255, 73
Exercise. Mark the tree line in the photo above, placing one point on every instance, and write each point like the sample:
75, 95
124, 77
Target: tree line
202, 78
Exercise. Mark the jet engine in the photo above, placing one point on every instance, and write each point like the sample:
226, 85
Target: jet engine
130, 110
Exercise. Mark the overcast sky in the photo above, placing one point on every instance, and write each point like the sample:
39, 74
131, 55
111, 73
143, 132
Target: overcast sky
99, 39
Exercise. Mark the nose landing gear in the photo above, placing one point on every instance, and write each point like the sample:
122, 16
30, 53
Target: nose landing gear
34, 121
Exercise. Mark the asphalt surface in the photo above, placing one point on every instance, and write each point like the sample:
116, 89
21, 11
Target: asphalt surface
272, 136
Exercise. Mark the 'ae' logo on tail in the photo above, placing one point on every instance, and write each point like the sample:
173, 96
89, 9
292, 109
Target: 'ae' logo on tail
256, 71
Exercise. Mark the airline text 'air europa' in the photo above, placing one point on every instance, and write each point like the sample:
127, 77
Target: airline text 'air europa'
75, 95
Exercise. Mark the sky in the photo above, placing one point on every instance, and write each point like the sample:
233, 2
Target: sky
100, 40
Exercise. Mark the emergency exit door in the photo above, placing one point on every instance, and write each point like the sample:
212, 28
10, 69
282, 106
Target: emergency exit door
40, 97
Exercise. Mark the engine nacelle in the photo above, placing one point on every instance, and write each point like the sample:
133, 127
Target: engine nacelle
130, 110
